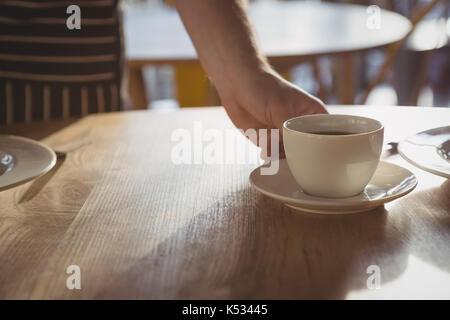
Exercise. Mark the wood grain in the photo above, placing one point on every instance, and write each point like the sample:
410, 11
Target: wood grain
141, 227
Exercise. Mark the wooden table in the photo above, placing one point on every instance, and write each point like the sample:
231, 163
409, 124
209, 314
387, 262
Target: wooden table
289, 33
139, 226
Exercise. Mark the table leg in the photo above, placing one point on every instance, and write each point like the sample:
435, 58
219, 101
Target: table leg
346, 85
421, 78
321, 92
136, 88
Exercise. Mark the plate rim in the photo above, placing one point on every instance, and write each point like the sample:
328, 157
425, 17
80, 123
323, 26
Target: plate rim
34, 176
316, 204
416, 164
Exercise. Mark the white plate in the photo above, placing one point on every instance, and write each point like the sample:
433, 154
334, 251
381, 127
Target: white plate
389, 183
22, 160
429, 150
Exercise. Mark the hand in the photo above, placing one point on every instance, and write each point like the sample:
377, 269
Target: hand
264, 101
254, 95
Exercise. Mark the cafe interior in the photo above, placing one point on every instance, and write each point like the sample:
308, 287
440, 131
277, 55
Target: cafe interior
93, 189
375, 73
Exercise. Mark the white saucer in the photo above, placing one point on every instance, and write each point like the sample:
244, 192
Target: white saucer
22, 160
390, 182
429, 150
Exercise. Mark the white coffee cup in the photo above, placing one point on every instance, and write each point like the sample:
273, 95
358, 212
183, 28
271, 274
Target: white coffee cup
333, 165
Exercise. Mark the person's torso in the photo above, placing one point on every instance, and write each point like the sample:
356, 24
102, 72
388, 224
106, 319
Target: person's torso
59, 59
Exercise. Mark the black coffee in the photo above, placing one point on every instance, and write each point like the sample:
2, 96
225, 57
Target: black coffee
332, 133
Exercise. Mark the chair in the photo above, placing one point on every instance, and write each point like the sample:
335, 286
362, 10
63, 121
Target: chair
416, 17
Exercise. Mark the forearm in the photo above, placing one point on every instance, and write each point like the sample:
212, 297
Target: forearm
223, 37
253, 95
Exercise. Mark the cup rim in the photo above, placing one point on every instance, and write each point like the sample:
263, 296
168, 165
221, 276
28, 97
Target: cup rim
381, 127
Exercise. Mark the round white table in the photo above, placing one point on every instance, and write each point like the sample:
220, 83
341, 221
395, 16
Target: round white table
289, 33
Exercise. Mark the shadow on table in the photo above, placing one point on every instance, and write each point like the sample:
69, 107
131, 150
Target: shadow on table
257, 249
435, 250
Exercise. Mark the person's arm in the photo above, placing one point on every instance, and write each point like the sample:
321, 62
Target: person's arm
253, 94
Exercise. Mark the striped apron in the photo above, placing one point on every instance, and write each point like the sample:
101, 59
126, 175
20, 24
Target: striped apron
48, 70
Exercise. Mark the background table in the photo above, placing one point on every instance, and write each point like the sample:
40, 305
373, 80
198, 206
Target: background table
289, 33
141, 227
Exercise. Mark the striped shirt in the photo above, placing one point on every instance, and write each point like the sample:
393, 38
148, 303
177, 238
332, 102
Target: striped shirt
48, 70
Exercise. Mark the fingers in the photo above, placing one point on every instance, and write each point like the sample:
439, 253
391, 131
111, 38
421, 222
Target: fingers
241, 118
317, 106
299, 103
270, 151
281, 104
266, 139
